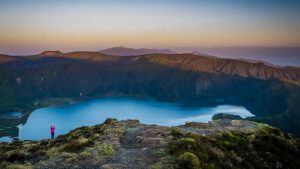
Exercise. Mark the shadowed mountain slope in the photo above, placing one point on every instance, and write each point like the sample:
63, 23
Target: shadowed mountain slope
7, 58
228, 66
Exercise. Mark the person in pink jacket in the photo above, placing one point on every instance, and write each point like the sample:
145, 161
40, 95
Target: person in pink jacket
52, 129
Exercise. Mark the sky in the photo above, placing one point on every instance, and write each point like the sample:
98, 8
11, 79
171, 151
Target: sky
32, 26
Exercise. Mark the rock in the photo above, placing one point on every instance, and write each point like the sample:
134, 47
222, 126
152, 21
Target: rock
226, 116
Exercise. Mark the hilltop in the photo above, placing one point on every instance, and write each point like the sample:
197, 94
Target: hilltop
129, 144
77, 55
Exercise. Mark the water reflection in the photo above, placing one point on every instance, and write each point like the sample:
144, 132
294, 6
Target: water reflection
9, 123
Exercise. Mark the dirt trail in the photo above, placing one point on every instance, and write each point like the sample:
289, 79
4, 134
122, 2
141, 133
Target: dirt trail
139, 146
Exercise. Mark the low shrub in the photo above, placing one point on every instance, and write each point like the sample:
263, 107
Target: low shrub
73, 147
70, 160
188, 144
84, 155
19, 166
78, 144
15, 155
53, 151
105, 149
176, 132
188, 160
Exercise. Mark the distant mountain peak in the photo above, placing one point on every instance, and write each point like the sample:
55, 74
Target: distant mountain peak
51, 53
202, 54
124, 51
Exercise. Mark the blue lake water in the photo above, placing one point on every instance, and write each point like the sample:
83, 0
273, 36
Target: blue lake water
95, 111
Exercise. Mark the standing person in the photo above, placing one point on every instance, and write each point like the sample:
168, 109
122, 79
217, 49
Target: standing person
52, 129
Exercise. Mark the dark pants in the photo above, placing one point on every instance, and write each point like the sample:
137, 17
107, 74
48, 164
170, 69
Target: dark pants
52, 135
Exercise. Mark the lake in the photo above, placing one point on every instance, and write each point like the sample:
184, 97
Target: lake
91, 112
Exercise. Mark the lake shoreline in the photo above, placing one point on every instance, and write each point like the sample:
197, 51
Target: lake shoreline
92, 111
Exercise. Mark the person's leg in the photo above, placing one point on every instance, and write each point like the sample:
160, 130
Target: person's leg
52, 135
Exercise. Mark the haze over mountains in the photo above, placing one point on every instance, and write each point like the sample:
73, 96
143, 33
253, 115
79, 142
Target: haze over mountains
282, 56
278, 56
123, 51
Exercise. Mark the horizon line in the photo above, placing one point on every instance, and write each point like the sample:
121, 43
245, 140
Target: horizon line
35, 52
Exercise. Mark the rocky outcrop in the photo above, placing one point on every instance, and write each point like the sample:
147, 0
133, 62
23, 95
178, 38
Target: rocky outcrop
226, 116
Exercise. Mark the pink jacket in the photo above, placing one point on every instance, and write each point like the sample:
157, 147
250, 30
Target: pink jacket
52, 128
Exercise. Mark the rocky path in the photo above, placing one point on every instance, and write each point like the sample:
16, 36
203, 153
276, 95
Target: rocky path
213, 127
140, 145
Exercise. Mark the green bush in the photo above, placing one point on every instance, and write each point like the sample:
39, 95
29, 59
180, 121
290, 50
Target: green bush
105, 149
176, 132
15, 155
84, 155
73, 147
188, 144
188, 160
78, 144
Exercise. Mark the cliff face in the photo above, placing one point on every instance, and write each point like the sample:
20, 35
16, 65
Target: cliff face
241, 68
129, 144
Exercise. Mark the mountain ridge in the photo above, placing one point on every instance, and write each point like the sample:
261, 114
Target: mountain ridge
228, 66
123, 51
188, 61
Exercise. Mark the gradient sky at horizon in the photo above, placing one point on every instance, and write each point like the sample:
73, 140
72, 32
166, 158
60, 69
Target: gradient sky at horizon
31, 26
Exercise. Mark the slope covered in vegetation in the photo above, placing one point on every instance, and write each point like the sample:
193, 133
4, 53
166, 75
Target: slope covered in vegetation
129, 144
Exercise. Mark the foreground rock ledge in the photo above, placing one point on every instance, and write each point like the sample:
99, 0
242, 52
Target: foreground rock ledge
129, 144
